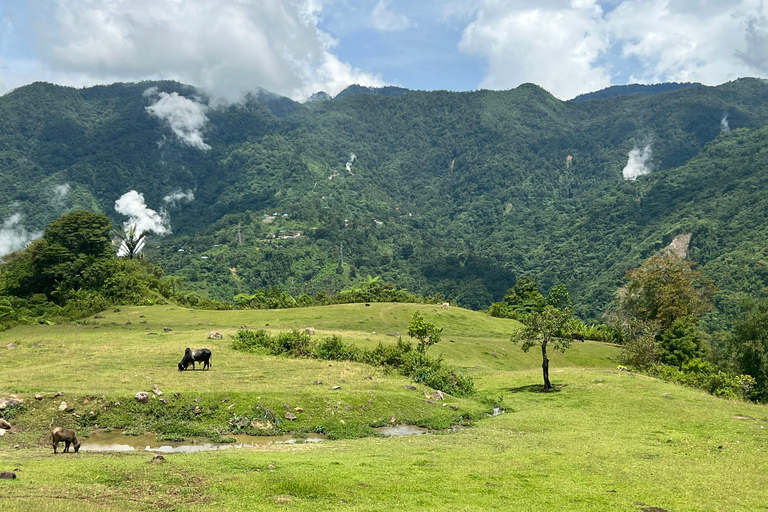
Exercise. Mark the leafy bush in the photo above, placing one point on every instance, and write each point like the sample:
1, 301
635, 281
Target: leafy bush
334, 349
697, 373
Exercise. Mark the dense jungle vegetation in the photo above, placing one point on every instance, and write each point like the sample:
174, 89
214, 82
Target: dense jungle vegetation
457, 194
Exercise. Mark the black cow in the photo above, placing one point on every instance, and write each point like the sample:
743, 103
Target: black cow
577, 337
202, 355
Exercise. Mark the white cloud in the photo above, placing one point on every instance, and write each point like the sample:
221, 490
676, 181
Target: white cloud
14, 236
186, 117
384, 19
178, 195
132, 205
639, 161
60, 193
227, 47
548, 43
573, 46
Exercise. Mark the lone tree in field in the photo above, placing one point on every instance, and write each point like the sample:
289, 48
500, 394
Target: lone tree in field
427, 334
542, 328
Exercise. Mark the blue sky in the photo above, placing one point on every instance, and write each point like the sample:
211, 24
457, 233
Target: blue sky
297, 47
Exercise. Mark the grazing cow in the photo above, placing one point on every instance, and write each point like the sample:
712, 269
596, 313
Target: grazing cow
445, 305
577, 337
67, 435
202, 355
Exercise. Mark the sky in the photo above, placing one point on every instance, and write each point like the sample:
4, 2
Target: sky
298, 47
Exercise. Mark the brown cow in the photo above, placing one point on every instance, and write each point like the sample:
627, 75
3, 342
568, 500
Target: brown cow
67, 435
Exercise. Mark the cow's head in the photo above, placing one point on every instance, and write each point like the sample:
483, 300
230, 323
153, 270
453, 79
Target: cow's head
182, 367
77, 446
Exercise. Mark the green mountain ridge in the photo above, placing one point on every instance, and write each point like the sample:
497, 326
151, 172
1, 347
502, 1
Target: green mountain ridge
453, 193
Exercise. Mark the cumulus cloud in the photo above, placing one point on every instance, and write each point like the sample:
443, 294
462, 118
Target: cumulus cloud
14, 236
132, 205
227, 47
186, 117
177, 196
548, 43
575, 46
639, 162
384, 19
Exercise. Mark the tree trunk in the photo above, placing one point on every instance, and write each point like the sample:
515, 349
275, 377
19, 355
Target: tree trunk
545, 366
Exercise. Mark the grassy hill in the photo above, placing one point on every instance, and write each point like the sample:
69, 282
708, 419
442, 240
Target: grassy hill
605, 440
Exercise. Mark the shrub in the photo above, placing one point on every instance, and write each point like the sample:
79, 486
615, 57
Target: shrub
333, 349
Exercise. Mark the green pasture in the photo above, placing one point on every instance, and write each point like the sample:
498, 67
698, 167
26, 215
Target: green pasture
604, 440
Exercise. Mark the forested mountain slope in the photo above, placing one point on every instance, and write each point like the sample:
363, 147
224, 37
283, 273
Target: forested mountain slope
453, 193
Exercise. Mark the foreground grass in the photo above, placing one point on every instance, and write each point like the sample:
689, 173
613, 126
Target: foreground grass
603, 441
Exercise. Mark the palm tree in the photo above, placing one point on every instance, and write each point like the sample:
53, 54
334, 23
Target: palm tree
132, 242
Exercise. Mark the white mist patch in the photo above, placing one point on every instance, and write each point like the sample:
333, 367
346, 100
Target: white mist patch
724, 126
639, 162
141, 218
14, 236
177, 195
186, 117
60, 193
352, 158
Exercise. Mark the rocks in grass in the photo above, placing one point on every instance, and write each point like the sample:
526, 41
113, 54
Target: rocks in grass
156, 390
7, 475
177, 395
7, 401
310, 331
4, 424
167, 329
2, 432
336, 387
429, 401
454, 407
287, 407
63, 406
244, 327
317, 382
142, 397
197, 399
164, 400
128, 323
38, 396
290, 416
215, 335
197, 410
10, 346
410, 388
158, 459
298, 409
666, 395
117, 310
438, 395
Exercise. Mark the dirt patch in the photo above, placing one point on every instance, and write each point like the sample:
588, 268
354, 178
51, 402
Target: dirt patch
746, 418
654, 509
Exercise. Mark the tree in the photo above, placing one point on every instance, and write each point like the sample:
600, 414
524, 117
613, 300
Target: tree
551, 325
132, 242
681, 342
750, 345
664, 288
428, 334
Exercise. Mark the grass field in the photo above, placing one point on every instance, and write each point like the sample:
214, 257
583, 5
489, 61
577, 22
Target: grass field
604, 440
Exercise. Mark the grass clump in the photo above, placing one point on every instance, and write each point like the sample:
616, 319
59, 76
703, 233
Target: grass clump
401, 357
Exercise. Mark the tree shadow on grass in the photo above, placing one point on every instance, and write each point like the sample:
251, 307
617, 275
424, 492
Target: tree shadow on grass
536, 388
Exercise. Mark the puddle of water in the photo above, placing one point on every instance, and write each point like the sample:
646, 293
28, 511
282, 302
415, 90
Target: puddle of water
401, 430
116, 441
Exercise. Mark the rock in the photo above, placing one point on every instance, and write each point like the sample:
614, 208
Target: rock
336, 387
225, 400
298, 409
10, 346
367, 305
63, 406
8, 475
156, 390
310, 331
58, 394
410, 388
142, 397
86, 401
318, 382
158, 459
141, 316
38, 345
38, 396
143, 322
164, 400
494, 354
290, 416
151, 334
244, 327
266, 325
117, 310
215, 335
394, 334
392, 419
98, 316
286, 407
429, 401
666, 395
197, 410
177, 395
369, 378
454, 407
197, 399
167, 329
128, 323
4, 424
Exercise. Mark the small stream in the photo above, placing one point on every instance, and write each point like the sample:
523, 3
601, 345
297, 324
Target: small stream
116, 441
